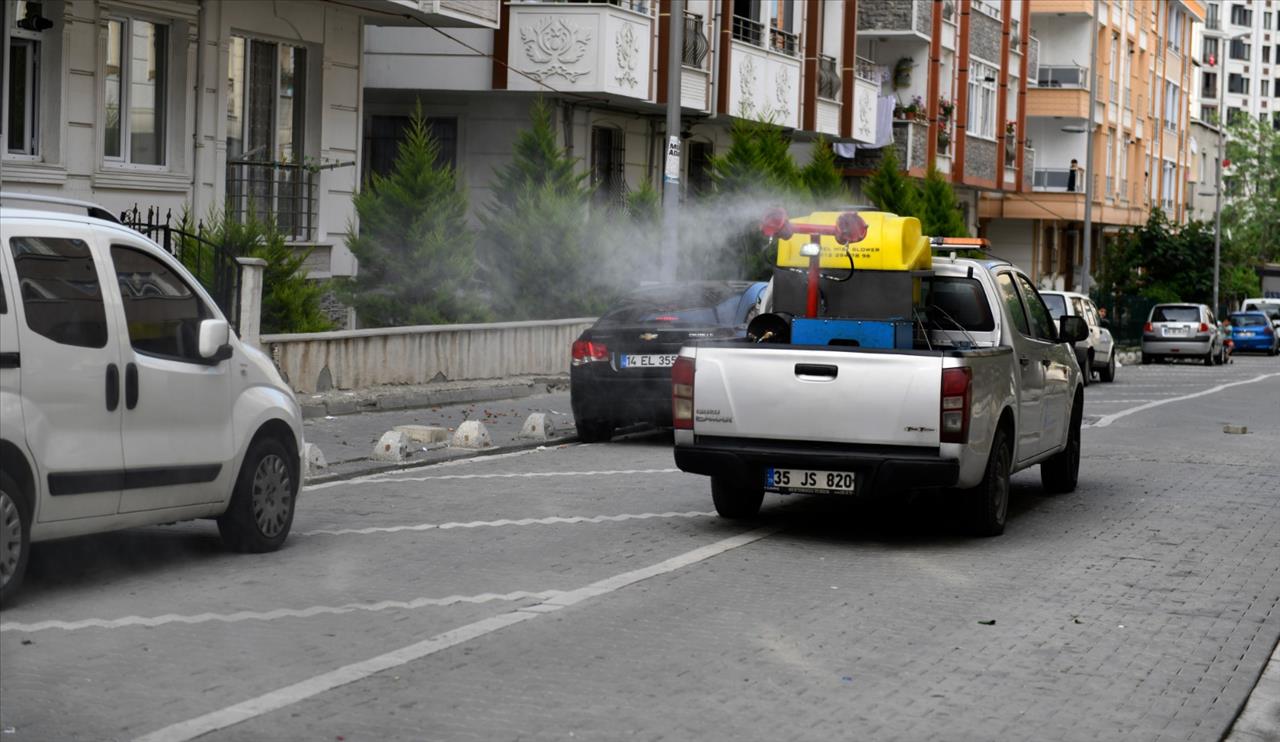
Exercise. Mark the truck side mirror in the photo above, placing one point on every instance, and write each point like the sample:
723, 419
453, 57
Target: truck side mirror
1072, 329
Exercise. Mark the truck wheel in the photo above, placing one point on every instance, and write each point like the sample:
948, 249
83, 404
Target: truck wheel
261, 510
1108, 372
989, 501
735, 500
1060, 472
593, 430
15, 537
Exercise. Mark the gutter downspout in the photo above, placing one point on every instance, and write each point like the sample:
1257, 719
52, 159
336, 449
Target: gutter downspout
197, 135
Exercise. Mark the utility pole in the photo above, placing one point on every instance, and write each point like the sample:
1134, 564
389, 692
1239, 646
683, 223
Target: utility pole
1088, 154
671, 169
1222, 145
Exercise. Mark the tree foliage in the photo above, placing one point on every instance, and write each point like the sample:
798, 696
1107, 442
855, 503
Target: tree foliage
822, 179
416, 251
758, 161
890, 190
939, 213
1251, 210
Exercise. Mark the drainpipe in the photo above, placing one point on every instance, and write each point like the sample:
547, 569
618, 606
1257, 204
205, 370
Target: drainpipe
196, 134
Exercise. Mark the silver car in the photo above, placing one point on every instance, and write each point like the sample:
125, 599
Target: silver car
1096, 353
1182, 331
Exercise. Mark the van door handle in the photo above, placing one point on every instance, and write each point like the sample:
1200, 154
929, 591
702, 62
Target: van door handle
131, 386
1024, 360
10, 360
817, 369
1045, 362
113, 387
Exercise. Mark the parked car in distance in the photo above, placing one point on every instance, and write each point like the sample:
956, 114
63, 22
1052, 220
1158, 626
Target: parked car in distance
126, 399
1269, 306
1096, 353
1253, 331
621, 367
1179, 330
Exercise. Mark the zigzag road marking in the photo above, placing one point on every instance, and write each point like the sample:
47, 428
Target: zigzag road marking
551, 520
315, 610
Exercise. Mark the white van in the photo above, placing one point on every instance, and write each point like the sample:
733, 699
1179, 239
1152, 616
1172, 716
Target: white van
1268, 306
125, 399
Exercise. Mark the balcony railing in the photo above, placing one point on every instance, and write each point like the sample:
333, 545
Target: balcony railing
784, 41
828, 78
865, 69
1212, 23
696, 46
1056, 179
747, 30
754, 32
282, 192
1063, 76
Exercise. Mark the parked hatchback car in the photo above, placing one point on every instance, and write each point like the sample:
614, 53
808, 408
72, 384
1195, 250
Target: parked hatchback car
1096, 353
1253, 331
126, 400
621, 368
1182, 331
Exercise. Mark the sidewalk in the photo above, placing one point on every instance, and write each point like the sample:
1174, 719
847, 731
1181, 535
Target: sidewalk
347, 440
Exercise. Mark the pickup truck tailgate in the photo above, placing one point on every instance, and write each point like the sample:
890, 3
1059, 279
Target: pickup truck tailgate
836, 396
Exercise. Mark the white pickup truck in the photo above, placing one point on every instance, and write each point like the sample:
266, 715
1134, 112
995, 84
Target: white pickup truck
991, 387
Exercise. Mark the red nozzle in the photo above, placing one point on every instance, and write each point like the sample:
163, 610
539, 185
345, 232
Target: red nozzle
850, 228
776, 224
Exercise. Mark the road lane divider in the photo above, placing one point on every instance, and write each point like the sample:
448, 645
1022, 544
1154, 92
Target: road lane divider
291, 694
547, 521
1106, 420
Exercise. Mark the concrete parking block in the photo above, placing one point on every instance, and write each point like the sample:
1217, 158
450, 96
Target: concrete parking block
539, 427
471, 434
313, 458
424, 434
392, 446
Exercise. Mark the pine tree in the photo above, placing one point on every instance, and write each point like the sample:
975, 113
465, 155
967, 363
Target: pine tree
890, 190
758, 161
536, 159
939, 214
822, 179
416, 251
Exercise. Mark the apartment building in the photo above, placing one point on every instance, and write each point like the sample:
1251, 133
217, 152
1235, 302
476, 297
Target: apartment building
1240, 60
200, 104
1140, 130
851, 70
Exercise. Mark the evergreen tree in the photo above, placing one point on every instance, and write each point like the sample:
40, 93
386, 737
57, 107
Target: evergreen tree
416, 251
890, 190
939, 214
536, 158
758, 161
823, 181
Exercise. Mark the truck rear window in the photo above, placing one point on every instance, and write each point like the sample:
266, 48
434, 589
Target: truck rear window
949, 301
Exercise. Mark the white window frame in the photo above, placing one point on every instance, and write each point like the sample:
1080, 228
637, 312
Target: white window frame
31, 144
248, 39
981, 121
122, 161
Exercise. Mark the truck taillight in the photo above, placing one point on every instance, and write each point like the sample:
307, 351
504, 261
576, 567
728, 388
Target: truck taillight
585, 351
1204, 327
1146, 327
682, 393
957, 385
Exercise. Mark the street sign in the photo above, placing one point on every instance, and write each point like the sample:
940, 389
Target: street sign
672, 170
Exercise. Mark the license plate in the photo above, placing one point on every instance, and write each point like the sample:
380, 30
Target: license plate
1172, 331
652, 361
810, 481
1246, 334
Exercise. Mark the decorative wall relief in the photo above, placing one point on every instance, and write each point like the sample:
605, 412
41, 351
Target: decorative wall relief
782, 93
554, 46
747, 86
628, 53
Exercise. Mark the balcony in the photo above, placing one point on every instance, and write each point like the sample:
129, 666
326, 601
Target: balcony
444, 13
828, 105
1062, 76
764, 73
866, 91
282, 192
593, 47
910, 143
695, 58
1056, 179
909, 18
1063, 7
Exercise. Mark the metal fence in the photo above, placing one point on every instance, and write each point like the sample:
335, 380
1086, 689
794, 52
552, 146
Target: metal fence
696, 46
280, 192
1064, 76
210, 262
828, 78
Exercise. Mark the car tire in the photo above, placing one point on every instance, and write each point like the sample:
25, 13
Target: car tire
594, 430
1147, 359
15, 537
1060, 473
988, 503
1108, 372
734, 499
1209, 358
260, 514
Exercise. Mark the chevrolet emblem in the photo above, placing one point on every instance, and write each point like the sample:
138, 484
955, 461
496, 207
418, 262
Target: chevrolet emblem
649, 336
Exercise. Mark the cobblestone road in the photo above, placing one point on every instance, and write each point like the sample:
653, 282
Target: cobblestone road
587, 593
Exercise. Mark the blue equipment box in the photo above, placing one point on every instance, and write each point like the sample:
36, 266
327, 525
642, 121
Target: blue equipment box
863, 333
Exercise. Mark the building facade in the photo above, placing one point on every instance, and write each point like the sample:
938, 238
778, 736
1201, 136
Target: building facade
1240, 60
1140, 130
200, 105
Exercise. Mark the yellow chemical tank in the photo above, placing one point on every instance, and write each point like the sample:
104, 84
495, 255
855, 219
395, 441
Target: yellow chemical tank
893, 243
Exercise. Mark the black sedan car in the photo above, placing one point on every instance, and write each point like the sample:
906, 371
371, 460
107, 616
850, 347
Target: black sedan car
621, 370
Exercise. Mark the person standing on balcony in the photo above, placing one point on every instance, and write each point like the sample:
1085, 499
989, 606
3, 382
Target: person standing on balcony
1071, 175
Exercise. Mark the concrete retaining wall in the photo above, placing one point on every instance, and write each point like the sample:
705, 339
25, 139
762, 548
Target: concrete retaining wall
354, 359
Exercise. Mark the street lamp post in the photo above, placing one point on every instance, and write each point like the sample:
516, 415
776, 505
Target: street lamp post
1217, 191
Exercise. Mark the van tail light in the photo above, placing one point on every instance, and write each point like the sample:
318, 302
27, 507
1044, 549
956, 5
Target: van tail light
682, 393
585, 351
957, 387
1146, 327
1204, 327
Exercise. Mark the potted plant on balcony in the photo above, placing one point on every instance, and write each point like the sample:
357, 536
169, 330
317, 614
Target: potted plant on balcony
909, 111
948, 9
944, 141
1010, 143
945, 109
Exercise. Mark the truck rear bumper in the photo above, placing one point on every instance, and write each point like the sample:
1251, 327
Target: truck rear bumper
879, 468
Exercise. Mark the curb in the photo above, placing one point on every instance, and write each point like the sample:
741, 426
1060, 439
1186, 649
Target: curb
316, 406
478, 453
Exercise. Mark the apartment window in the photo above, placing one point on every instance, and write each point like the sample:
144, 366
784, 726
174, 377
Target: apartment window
383, 135
1233, 116
1237, 84
1209, 85
1115, 57
699, 154
1275, 120
608, 160
1209, 113
1168, 183
1239, 50
266, 100
1276, 87
1211, 17
982, 100
1210, 52
1266, 89
1171, 98
1111, 156
1266, 55
1241, 15
21, 115
1266, 20
1174, 20
135, 75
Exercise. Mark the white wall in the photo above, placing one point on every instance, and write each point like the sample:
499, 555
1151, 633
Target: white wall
1064, 40
407, 57
1055, 147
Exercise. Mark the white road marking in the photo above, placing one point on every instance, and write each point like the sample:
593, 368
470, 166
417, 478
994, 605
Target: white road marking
315, 610
289, 695
550, 520
1106, 420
